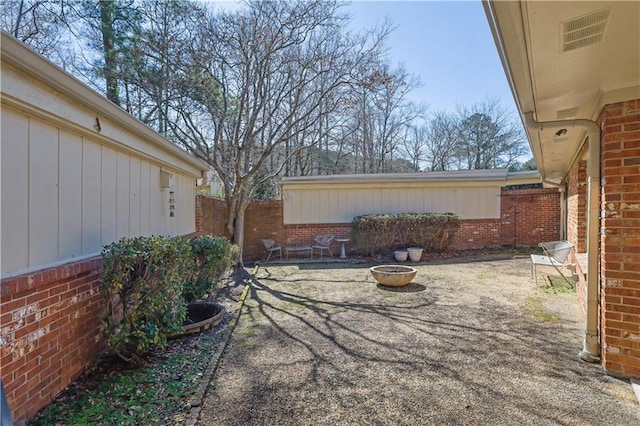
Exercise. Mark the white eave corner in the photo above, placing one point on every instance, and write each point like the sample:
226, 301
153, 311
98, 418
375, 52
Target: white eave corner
524, 177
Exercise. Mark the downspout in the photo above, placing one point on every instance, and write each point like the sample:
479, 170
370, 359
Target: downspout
591, 348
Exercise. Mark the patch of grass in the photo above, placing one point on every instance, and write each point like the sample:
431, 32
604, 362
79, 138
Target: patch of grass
153, 392
557, 285
534, 307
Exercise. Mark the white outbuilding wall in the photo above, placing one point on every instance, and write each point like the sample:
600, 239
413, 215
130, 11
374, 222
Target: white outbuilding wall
77, 172
472, 194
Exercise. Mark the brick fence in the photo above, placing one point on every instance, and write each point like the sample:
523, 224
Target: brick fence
527, 217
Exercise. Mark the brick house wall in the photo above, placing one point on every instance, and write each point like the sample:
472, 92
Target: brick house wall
620, 239
536, 219
577, 202
50, 332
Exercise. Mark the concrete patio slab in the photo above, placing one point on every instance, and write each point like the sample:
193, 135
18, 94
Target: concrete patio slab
464, 343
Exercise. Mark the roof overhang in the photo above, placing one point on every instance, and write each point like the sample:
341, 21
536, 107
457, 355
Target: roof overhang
495, 177
566, 60
30, 63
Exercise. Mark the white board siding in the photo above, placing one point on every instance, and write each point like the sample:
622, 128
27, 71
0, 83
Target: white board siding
64, 195
339, 205
70, 196
91, 197
134, 196
14, 151
145, 207
43, 193
108, 196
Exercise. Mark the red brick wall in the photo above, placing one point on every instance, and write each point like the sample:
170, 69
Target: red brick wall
210, 216
529, 216
536, 219
577, 202
620, 245
50, 332
476, 234
263, 220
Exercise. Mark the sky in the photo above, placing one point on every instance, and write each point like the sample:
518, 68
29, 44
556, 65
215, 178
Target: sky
448, 44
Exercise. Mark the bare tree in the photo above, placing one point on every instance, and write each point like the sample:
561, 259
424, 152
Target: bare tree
442, 139
489, 137
40, 24
251, 83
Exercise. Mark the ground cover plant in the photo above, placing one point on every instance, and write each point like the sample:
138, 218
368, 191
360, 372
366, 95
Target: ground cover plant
160, 388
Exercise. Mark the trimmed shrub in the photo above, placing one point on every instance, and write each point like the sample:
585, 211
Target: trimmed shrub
373, 234
142, 283
212, 257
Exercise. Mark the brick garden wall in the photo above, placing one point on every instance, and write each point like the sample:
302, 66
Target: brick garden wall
536, 218
529, 216
620, 245
50, 332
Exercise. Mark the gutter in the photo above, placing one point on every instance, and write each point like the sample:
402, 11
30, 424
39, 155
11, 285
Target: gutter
591, 347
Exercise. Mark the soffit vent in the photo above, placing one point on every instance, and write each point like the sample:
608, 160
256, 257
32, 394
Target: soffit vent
563, 114
585, 30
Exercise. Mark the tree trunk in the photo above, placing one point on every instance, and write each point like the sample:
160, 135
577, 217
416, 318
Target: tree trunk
108, 44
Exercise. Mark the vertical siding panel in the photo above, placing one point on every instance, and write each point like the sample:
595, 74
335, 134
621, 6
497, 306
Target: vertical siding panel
70, 196
145, 196
155, 194
43, 193
15, 190
332, 208
122, 195
108, 196
187, 204
134, 196
91, 190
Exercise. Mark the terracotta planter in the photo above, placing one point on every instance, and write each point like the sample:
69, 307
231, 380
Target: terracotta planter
201, 316
400, 255
393, 275
415, 253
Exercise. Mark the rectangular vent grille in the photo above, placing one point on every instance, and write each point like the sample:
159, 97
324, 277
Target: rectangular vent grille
566, 113
585, 30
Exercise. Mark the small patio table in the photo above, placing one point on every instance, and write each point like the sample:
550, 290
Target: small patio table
297, 249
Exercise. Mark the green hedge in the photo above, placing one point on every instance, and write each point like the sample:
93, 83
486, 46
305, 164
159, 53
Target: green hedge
145, 282
374, 234
142, 284
212, 256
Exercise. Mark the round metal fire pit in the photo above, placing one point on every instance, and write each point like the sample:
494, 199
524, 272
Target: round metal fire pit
393, 275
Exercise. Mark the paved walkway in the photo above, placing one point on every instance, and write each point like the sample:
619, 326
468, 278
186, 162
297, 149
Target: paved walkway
465, 343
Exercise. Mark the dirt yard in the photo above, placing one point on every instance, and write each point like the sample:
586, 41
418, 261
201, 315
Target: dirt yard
467, 342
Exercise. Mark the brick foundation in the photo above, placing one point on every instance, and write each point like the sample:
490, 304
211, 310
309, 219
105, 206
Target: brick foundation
620, 244
50, 332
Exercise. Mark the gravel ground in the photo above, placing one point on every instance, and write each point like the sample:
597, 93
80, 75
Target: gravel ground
465, 343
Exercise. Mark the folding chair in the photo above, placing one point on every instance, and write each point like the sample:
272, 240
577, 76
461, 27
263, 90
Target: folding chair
555, 254
323, 242
271, 247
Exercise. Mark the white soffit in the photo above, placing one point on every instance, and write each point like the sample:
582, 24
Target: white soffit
566, 60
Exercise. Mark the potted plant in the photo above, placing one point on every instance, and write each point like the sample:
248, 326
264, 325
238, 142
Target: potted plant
415, 253
400, 255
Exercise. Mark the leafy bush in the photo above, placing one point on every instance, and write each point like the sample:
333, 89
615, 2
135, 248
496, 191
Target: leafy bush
142, 283
212, 257
379, 233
